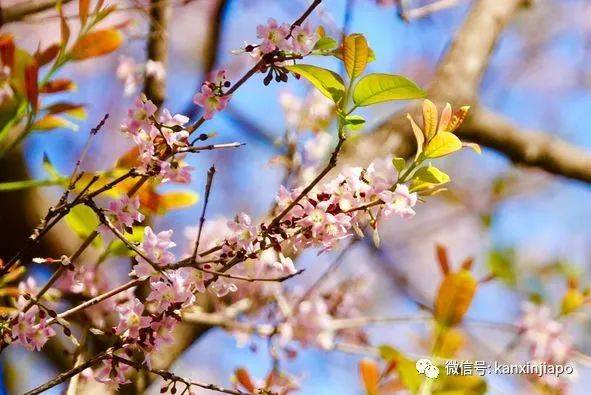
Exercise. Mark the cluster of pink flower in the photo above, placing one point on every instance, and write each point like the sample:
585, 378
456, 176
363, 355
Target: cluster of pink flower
157, 138
545, 337
329, 213
212, 97
31, 329
299, 40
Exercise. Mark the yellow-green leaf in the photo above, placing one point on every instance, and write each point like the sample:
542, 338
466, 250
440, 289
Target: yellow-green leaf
454, 297
118, 248
429, 119
442, 144
49, 122
97, 43
572, 300
430, 174
405, 367
82, 220
355, 54
379, 88
399, 164
419, 136
329, 83
475, 147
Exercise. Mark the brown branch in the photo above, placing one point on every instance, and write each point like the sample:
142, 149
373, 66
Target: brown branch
155, 87
70, 373
20, 11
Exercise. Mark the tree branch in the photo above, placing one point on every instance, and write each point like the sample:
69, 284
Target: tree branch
22, 10
155, 85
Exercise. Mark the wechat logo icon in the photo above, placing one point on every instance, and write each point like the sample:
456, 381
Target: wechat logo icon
426, 367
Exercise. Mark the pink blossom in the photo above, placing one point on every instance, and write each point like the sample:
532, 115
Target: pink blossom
162, 330
284, 265
177, 171
124, 212
131, 319
139, 117
243, 233
303, 39
310, 325
210, 101
128, 71
273, 36
112, 373
222, 287
169, 291
155, 246
399, 202
29, 332
544, 335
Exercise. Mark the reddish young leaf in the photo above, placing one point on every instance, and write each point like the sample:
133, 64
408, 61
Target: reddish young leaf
83, 6
442, 258
7, 49
58, 85
47, 55
31, 83
454, 297
244, 379
129, 159
64, 28
98, 43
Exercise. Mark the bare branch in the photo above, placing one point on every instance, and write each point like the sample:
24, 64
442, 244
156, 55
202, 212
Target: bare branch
19, 11
155, 85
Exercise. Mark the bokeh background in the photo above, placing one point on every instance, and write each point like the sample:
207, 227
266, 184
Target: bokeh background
539, 76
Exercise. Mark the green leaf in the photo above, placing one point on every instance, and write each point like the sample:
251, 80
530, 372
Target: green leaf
354, 122
432, 175
82, 220
329, 83
501, 264
399, 164
324, 46
118, 248
355, 54
379, 88
444, 143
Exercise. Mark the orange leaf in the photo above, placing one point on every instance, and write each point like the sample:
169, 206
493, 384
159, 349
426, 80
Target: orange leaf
98, 43
64, 28
7, 49
58, 85
83, 6
243, 378
31, 83
429, 119
47, 55
129, 159
442, 258
457, 118
370, 375
454, 297
176, 200
49, 122
355, 54
445, 118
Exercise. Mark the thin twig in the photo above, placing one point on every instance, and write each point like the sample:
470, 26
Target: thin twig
210, 174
